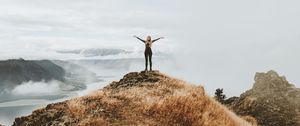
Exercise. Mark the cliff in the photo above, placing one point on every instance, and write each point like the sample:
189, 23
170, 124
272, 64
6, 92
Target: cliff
273, 101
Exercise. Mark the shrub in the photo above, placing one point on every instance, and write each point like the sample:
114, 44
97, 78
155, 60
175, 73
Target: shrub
219, 96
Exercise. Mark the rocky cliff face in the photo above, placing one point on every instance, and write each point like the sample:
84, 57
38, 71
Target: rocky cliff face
273, 101
142, 98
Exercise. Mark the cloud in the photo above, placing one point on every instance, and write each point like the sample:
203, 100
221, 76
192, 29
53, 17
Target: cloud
228, 40
37, 88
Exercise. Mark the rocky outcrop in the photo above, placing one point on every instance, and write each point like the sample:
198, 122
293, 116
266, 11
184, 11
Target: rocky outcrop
145, 98
53, 114
273, 101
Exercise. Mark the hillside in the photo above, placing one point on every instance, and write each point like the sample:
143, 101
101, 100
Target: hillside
14, 72
142, 98
273, 101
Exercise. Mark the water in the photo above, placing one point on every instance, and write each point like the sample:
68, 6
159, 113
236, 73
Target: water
12, 109
108, 72
7, 114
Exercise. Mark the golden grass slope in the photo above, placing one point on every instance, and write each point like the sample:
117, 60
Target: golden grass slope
166, 102
140, 99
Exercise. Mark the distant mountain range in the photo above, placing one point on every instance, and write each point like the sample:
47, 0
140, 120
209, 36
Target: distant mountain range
107, 53
14, 72
95, 52
18, 71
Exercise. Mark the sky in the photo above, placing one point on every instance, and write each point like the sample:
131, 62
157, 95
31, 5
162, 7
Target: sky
218, 44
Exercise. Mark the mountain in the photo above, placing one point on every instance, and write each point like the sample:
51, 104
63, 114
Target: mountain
139, 98
14, 72
95, 52
273, 101
60, 76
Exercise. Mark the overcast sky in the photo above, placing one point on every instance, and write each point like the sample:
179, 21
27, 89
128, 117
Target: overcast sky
215, 43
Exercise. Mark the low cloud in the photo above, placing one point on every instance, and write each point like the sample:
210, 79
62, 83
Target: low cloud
37, 88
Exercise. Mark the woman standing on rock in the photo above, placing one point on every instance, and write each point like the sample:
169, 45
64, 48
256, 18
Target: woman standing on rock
148, 52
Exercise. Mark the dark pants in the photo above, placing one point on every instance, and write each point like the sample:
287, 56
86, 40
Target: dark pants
148, 54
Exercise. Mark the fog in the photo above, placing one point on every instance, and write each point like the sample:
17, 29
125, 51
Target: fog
37, 88
218, 44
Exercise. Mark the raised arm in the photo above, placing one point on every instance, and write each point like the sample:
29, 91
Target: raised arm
157, 39
139, 39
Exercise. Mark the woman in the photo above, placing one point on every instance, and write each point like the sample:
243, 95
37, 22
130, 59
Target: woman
148, 52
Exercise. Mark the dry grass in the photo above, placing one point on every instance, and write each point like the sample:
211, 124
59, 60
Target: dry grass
166, 102
92, 121
75, 107
250, 119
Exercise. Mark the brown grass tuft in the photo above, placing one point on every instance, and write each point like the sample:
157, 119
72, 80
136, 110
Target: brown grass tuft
75, 107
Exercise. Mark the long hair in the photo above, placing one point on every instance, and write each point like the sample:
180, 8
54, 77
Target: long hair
148, 38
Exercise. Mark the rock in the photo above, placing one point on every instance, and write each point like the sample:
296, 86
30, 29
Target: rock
50, 115
273, 101
230, 100
136, 79
270, 82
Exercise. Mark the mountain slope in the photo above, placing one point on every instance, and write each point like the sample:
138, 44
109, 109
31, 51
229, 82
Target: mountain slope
142, 98
14, 72
273, 101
